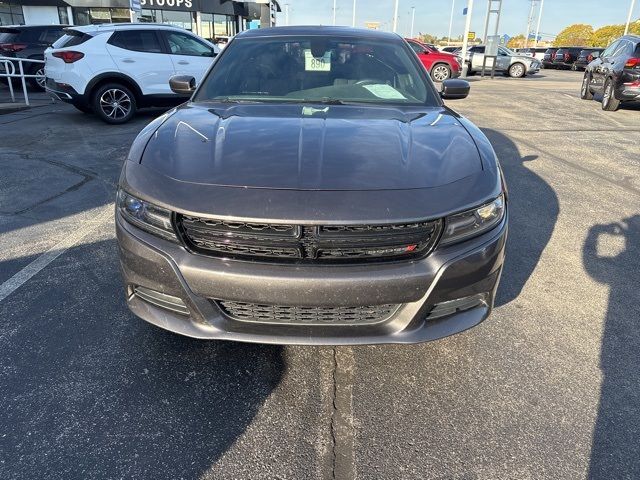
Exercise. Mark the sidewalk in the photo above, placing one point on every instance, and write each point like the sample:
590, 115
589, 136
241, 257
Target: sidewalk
36, 99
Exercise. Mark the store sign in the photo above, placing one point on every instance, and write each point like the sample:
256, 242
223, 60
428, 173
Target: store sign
191, 5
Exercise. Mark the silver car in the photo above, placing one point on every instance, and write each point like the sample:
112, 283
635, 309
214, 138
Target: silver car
507, 61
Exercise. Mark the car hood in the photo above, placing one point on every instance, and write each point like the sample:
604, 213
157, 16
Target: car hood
314, 147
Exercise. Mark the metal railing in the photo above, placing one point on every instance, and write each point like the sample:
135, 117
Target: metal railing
8, 71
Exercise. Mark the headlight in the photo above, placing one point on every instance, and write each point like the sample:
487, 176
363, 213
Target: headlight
462, 226
146, 216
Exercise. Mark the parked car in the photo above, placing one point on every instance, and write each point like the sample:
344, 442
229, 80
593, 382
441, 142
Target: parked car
314, 190
535, 52
440, 65
549, 58
585, 57
114, 69
507, 62
30, 42
566, 57
615, 74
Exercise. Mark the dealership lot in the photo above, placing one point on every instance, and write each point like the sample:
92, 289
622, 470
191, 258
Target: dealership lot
546, 388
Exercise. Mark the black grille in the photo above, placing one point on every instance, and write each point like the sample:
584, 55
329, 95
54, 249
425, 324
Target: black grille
308, 243
252, 312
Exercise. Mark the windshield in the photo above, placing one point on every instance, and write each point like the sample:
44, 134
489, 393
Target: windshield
316, 69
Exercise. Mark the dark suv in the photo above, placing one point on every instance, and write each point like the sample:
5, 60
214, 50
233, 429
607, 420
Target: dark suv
314, 190
566, 56
29, 41
549, 57
585, 57
615, 74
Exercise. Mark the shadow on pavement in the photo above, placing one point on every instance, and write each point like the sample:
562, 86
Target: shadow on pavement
90, 391
533, 212
616, 439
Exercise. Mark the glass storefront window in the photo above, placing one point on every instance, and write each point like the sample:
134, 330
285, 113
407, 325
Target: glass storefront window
90, 16
214, 25
63, 15
184, 20
11, 14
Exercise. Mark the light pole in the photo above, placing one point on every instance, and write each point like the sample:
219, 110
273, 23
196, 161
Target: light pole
529, 18
286, 14
334, 12
465, 38
395, 18
453, 4
413, 19
626, 28
353, 20
535, 40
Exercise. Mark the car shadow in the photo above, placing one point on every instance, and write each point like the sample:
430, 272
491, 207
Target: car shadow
90, 391
533, 212
615, 450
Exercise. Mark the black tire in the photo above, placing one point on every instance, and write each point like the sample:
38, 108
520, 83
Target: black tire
83, 108
609, 101
517, 70
36, 83
585, 90
114, 103
440, 72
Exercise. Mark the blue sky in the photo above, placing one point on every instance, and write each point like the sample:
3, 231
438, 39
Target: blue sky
432, 16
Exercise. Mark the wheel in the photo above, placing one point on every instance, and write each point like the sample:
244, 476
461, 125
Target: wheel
114, 103
83, 108
440, 72
574, 67
609, 101
38, 82
585, 91
517, 70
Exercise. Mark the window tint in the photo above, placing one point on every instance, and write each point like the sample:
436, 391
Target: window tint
477, 49
625, 49
50, 35
136, 40
71, 38
182, 44
416, 48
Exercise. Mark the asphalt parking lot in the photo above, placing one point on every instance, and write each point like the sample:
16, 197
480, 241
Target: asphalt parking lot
548, 387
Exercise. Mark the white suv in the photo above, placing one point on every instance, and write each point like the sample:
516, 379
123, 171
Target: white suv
114, 69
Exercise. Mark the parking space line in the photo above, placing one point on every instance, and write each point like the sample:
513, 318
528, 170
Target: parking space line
28, 272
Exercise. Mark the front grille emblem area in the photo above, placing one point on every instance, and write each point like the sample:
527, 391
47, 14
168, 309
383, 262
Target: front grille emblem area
307, 243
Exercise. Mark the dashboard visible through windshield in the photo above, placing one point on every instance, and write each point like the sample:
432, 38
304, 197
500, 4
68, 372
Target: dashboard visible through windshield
316, 69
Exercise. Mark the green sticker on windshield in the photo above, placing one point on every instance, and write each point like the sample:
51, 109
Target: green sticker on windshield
312, 64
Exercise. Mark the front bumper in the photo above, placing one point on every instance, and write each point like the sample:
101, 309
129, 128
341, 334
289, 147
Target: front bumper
463, 270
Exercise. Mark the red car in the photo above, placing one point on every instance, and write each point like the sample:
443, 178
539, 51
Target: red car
440, 65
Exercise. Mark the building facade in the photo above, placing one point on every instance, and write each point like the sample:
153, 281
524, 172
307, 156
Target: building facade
208, 18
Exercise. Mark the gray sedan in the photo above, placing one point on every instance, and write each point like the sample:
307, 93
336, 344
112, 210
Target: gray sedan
507, 61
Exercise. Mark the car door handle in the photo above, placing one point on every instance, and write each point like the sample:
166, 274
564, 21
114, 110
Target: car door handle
128, 60
183, 62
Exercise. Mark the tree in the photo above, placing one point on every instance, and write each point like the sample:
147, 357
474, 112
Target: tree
607, 34
516, 42
574, 36
427, 38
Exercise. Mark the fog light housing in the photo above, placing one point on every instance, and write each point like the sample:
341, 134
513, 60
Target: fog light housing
450, 307
162, 300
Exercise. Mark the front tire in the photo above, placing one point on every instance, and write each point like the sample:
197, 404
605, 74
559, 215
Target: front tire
114, 103
609, 101
585, 90
517, 70
440, 72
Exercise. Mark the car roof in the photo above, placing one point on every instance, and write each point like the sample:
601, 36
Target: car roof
319, 30
108, 27
27, 27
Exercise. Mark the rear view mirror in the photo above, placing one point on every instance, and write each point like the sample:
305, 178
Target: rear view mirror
182, 84
454, 89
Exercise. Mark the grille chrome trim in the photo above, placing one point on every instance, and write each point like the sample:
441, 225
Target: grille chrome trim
292, 243
318, 316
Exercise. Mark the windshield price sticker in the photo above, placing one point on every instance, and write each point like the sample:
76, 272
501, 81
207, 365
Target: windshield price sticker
313, 64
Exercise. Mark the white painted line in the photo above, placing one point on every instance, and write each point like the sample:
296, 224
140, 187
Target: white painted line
24, 275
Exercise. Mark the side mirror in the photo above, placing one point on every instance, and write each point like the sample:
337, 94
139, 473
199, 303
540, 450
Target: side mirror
454, 89
182, 84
